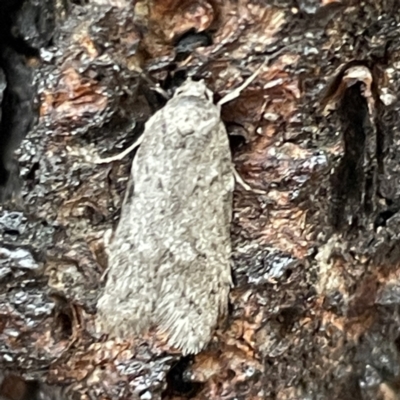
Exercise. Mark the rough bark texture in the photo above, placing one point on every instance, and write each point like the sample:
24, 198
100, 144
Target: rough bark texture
314, 310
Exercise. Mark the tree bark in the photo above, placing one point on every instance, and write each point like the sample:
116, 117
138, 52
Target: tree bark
314, 308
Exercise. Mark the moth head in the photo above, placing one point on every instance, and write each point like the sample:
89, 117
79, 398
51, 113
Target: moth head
194, 88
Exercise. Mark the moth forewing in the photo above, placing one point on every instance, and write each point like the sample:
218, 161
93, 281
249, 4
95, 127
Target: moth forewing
170, 259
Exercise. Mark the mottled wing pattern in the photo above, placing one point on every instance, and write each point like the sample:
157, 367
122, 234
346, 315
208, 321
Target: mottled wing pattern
170, 259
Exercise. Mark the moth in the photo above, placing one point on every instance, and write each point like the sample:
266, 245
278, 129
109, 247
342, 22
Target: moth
169, 262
